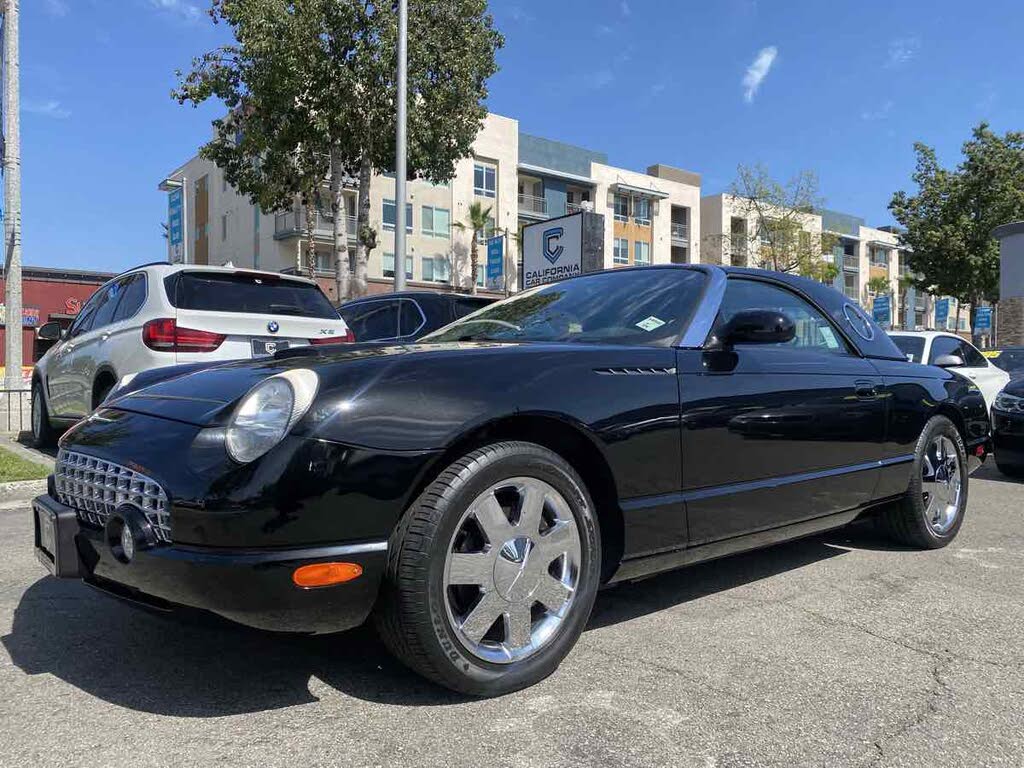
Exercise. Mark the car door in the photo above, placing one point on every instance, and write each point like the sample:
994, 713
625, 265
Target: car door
60, 377
118, 350
777, 433
87, 353
990, 378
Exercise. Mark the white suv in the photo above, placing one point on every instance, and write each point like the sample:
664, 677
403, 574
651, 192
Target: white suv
163, 314
947, 350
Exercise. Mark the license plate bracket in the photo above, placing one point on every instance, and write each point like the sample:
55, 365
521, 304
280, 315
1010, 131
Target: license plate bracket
55, 529
267, 347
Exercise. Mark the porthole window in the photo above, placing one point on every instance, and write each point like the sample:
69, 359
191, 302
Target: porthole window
858, 321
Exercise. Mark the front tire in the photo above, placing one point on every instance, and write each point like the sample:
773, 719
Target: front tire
43, 433
492, 572
930, 514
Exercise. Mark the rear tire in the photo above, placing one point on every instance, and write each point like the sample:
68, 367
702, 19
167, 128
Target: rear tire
43, 433
1010, 470
492, 572
931, 512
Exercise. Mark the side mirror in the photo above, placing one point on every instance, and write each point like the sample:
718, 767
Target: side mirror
50, 332
757, 326
948, 361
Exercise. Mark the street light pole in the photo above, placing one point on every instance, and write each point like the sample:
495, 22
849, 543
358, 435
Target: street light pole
400, 168
12, 197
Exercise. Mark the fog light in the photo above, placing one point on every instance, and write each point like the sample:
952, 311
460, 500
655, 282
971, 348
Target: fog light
127, 543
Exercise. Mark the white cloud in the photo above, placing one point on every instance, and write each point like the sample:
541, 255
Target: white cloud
624, 8
56, 8
758, 71
902, 50
183, 10
51, 108
878, 113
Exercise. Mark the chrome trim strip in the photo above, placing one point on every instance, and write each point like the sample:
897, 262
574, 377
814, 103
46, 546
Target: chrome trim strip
213, 556
704, 318
645, 502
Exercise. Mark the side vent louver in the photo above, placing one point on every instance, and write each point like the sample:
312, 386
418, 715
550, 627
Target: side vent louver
635, 371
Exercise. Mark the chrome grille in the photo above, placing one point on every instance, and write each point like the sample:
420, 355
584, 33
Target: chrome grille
95, 488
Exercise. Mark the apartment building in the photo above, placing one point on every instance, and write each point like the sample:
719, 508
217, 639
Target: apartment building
649, 217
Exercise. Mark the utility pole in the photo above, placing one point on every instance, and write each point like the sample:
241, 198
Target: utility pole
403, 23
12, 196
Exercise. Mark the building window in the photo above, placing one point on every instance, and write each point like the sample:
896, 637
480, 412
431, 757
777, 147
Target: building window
435, 269
388, 262
485, 180
323, 261
851, 285
641, 253
620, 255
436, 222
879, 257
642, 211
621, 208
388, 215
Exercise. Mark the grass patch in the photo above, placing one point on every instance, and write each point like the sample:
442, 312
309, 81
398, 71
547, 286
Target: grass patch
13, 467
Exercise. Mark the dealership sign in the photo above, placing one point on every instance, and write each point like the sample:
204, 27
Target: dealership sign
29, 316
881, 309
175, 234
552, 250
941, 313
983, 319
495, 260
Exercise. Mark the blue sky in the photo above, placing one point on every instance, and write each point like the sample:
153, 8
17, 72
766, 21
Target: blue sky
843, 88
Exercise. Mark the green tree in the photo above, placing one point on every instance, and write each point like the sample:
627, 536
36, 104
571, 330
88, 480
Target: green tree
478, 219
323, 73
948, 222
879, 285
780, 217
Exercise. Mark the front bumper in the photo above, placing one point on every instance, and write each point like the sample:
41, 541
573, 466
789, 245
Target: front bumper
1008, 437
251, 587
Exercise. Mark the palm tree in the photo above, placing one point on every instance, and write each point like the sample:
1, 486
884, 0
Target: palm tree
477, 220
879, 285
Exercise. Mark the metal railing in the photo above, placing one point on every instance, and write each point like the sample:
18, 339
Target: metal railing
533, 204
851, 262
292, 223
680, 231
573, 208
16, 408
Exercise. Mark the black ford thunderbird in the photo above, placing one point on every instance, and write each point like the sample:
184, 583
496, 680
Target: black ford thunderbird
471, 492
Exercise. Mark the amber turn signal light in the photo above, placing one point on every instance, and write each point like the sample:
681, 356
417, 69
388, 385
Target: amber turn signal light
326, 574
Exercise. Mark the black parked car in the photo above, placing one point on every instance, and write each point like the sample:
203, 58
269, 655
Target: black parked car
407, 315
1010, 359
1008, 428
471, 492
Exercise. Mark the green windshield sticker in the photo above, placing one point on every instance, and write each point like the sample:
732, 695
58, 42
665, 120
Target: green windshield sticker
650, 323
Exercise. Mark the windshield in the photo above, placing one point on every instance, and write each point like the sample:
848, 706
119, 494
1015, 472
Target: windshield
649, 307
911, 346
247, 292
1010, 360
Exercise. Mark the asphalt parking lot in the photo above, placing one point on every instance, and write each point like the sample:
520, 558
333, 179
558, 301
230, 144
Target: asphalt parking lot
838, 649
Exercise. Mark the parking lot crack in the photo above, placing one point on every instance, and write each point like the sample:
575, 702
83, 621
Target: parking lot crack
939, 690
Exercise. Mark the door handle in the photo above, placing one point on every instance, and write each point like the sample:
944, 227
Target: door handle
865, 390
105, 335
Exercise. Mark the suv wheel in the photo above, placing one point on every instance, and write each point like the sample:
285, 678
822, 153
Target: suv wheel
493, 571
43, 434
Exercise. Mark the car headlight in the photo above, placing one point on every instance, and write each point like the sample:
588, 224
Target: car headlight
268, 411
1007, 402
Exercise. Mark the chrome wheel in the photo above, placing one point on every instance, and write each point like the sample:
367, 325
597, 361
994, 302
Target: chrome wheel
512, 570
941, 484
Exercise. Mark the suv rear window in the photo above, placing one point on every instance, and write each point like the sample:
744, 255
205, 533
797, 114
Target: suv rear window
246, 292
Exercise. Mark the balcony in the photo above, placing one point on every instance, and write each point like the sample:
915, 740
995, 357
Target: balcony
851, 262
531, 205
293, 224
680, 233
573, 208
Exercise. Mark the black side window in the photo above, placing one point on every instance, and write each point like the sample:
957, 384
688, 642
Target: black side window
464, 307
133, 294
373, 320
410, 318
85, 317
944, 345
972, 357
814, 331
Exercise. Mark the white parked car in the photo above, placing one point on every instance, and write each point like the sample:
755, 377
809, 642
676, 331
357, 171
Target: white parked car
947, 350
167, 314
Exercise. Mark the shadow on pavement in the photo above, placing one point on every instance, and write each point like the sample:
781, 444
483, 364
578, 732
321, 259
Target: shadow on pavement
162, 664
989, 471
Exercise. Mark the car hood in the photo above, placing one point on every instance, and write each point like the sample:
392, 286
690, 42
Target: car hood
207, 396
1015, 386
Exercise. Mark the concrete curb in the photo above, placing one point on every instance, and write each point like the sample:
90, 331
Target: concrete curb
12, 444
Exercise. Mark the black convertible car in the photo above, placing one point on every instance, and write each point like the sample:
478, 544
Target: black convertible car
472, 492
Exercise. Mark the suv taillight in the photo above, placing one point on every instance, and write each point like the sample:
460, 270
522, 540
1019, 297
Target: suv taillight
165, 335
348, 338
